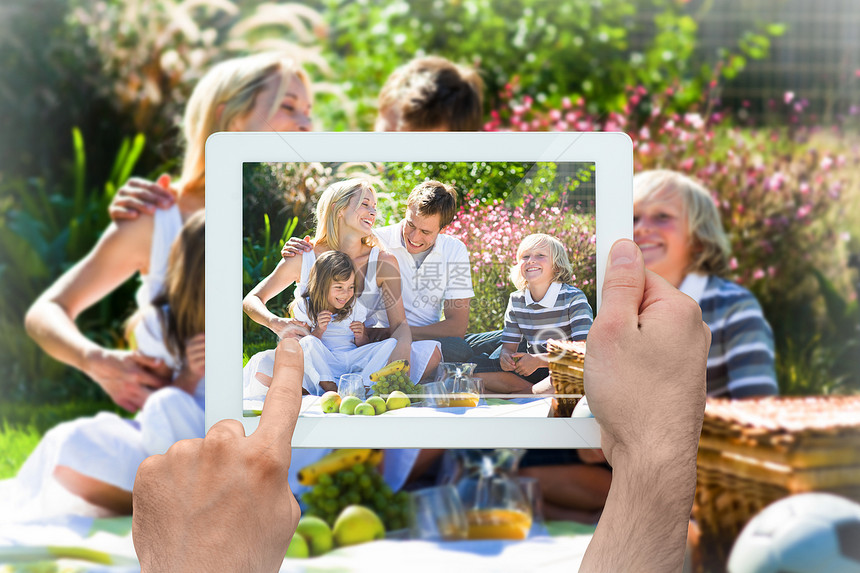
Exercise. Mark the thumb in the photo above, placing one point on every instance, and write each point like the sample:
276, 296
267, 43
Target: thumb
163, 181
623, 285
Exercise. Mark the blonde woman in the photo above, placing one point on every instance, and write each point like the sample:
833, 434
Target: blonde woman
345, 216
679, 231
544, 306
261, 92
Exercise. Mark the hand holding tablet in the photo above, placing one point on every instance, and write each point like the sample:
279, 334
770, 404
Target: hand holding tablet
221, 503
504, 423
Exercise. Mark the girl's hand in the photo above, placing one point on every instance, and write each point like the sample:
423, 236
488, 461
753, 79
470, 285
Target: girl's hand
141, 196
507, 361
526, 363
323, 320
195, 355
357, 328
128, 377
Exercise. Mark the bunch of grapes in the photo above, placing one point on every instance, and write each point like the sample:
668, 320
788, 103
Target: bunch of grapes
358, 485
397, 381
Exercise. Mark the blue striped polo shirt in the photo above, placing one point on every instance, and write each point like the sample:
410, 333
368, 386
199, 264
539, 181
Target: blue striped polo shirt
741, 359
563, 314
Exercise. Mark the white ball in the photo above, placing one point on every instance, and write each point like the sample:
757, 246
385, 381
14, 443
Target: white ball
805, 533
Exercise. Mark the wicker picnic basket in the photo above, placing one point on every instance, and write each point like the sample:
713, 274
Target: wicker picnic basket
566, 361
754, 452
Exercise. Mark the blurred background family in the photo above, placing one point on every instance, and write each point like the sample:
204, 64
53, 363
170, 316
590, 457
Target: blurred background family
744, 218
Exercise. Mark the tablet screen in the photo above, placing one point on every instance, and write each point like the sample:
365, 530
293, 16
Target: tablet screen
465, 272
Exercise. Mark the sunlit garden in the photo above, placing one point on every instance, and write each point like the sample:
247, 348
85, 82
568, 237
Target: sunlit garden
91, 94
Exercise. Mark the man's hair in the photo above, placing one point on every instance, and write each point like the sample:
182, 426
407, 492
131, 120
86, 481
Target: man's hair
562, 270
709, 248
432, 197
433, 93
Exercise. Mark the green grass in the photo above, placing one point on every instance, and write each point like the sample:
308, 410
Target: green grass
16, 443
23, 425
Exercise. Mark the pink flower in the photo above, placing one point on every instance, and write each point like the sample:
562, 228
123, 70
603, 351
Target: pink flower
803, 211
826, 162
733, 264
758, 274
788, 97
565, 102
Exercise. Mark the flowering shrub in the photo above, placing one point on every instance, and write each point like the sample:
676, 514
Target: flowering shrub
787, 196
492, 231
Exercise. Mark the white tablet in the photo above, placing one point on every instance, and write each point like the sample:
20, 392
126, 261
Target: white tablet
599, 166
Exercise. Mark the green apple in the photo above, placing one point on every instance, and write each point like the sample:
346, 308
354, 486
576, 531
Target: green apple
316, 533
365, 409
357, 524
348, 404
330, 402
397, 400
378, 404
298, 548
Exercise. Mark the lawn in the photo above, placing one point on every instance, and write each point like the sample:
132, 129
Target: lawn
22, 426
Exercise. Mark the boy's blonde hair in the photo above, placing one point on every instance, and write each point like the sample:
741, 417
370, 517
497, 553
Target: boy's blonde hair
562, 269
332, 203
431, 93
235, 84
709, 245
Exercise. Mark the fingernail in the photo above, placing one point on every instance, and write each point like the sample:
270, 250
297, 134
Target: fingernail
623, 253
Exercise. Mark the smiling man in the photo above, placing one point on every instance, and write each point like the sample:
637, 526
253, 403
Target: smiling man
435, 268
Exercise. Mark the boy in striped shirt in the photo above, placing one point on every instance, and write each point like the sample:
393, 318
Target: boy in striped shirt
544, 307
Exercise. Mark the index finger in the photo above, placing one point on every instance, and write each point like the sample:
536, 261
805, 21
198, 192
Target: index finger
284, 398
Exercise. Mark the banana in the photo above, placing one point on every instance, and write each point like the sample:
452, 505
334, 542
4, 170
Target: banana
392, 368
333, 462
375, 458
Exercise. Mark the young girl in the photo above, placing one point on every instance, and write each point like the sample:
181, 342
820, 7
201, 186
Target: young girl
544, 307
338, 343
96, 459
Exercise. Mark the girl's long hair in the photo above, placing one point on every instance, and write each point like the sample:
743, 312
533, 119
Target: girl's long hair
184, 287
330, 267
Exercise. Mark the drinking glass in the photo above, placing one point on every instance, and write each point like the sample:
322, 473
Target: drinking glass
351, 385
534, 497
435, 395
467, 392
436, 513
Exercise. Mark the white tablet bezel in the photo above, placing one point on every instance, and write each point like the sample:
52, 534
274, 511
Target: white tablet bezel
612, 154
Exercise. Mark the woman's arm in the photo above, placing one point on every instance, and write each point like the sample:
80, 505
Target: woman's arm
388, 280
286, 273
127, 377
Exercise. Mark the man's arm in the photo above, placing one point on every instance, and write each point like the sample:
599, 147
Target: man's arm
645, 376
455, 323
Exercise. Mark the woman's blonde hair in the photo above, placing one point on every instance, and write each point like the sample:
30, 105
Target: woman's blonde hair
332, 203
709, 245
561, 268
330, 267
233, 84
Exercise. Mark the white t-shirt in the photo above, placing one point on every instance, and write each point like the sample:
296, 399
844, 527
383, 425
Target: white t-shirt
444, 274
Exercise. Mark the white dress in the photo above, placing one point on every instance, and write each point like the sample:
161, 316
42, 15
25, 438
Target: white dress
398, 463
336, 353
107, 447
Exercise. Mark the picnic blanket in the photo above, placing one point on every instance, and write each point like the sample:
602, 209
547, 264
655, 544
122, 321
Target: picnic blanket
88, 545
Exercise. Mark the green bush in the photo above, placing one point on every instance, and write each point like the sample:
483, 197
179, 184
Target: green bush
44, 230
